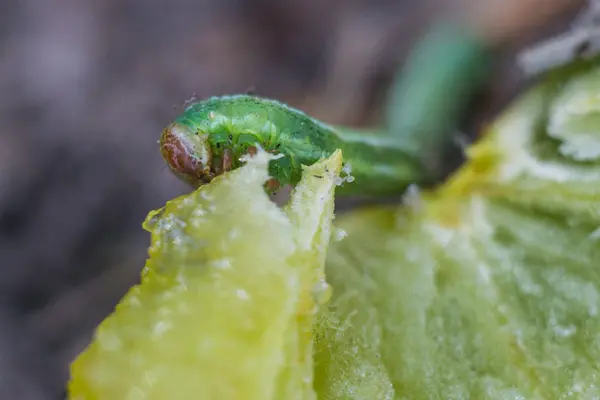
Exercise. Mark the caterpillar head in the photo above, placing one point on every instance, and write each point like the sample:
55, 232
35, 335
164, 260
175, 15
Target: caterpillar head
188, 154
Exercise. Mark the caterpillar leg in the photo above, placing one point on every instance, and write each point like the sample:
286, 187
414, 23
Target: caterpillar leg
227, 160
272, 185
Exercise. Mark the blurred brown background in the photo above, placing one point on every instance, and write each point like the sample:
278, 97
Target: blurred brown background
85, 89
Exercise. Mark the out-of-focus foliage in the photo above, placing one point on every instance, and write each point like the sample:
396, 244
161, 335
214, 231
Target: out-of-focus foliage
486, 288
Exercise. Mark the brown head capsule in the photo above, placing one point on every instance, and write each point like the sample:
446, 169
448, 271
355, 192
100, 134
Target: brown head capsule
187, 154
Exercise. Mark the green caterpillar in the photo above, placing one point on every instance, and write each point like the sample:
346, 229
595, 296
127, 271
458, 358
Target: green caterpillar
211, 137
425, 105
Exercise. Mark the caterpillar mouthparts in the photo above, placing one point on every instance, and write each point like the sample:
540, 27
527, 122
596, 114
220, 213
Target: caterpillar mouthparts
188, 154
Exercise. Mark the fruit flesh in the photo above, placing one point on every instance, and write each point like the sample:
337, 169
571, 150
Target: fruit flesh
224, 309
